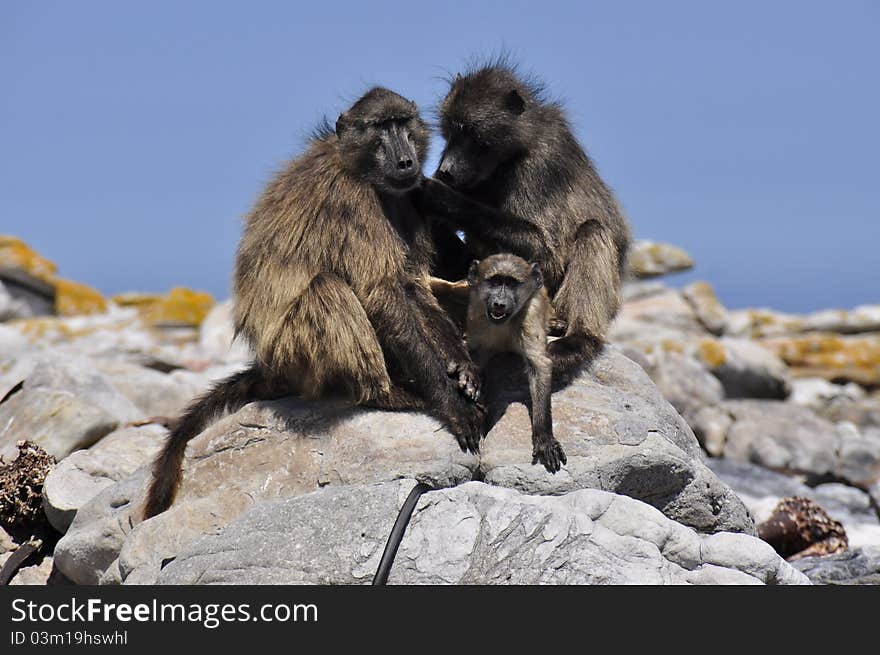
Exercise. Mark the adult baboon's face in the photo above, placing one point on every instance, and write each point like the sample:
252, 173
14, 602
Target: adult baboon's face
481, 119
384, 140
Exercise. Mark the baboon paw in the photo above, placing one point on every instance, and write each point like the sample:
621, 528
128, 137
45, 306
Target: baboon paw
549, 452
467, 377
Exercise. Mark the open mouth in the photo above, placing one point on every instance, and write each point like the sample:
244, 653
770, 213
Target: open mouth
498, 315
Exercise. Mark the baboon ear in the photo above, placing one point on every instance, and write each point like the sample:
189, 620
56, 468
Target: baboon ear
457, 78
474, 273
514, 102
341, 124
537, 275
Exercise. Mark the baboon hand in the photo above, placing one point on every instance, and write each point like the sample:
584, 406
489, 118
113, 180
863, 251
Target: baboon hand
467, 422
466, 374
548, 452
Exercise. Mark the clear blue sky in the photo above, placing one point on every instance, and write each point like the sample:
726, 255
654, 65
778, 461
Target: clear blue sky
135, 135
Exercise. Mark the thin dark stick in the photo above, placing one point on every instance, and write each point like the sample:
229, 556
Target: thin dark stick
396, 535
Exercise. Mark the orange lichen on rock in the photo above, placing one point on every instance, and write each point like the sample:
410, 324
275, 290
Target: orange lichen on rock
15, 253
712, 353
181, 306
74, 298
831, 356
136, 299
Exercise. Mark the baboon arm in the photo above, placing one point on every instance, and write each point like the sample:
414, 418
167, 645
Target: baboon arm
487, 229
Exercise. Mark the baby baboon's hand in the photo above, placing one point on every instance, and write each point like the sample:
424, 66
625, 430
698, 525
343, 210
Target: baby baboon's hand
549, 452
466, 374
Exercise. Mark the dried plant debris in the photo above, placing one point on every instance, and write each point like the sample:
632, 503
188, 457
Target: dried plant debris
798, 528
21, 487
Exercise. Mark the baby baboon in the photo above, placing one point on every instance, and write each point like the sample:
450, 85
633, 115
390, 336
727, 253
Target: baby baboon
524, 185
509, 311
331, 288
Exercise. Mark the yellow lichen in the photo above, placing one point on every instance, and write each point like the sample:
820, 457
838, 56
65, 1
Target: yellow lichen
712, 353
671, 346
854, 358
181, 306
15, 253
136, 299
73, 298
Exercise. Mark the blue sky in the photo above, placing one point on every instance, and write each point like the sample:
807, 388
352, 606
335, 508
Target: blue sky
135, 136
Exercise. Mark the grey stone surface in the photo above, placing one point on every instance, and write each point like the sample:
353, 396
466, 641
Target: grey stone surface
855, 566
618, 431
81, 476
788, 437
64, 405
471, 534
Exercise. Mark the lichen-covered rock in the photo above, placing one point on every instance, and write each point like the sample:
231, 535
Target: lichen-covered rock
865, 318
651, 258
180, 307
471, 534
745, 369
74, 298
831, 356
708, 309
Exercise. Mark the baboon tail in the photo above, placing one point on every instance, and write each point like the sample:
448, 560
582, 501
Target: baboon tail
228, 395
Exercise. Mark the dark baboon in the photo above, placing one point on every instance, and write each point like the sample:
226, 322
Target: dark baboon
331, 290
523, 184
510, 311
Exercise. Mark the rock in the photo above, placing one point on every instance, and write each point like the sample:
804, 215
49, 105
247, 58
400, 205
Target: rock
756, 323
708, 309
75, 298
152, 392
84, 474
855, 566
831, 356
650, 258
632, 290
180, 306
865, 318
217, 335
683, 381
762, 489
786, 437
12, 307
818, 393
471, 534
746, 370
711, 424
618, 431
35, 574
64, 405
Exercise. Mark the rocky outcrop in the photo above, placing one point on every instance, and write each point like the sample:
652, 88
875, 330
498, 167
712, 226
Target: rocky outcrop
618, 432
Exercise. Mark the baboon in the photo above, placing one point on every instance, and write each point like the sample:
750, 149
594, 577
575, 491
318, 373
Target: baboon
513, 178
331, 288
509, 311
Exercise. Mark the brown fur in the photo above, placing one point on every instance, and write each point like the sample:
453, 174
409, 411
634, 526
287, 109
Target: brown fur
331, 288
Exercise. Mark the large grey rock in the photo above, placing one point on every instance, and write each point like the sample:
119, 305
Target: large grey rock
855, 566
683, 381
787, 437
618, 431
64, 405
84, 474
471, 534
761, 489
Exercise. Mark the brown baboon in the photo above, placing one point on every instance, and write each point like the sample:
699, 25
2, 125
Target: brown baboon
510, 311
523, 184
331, 288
